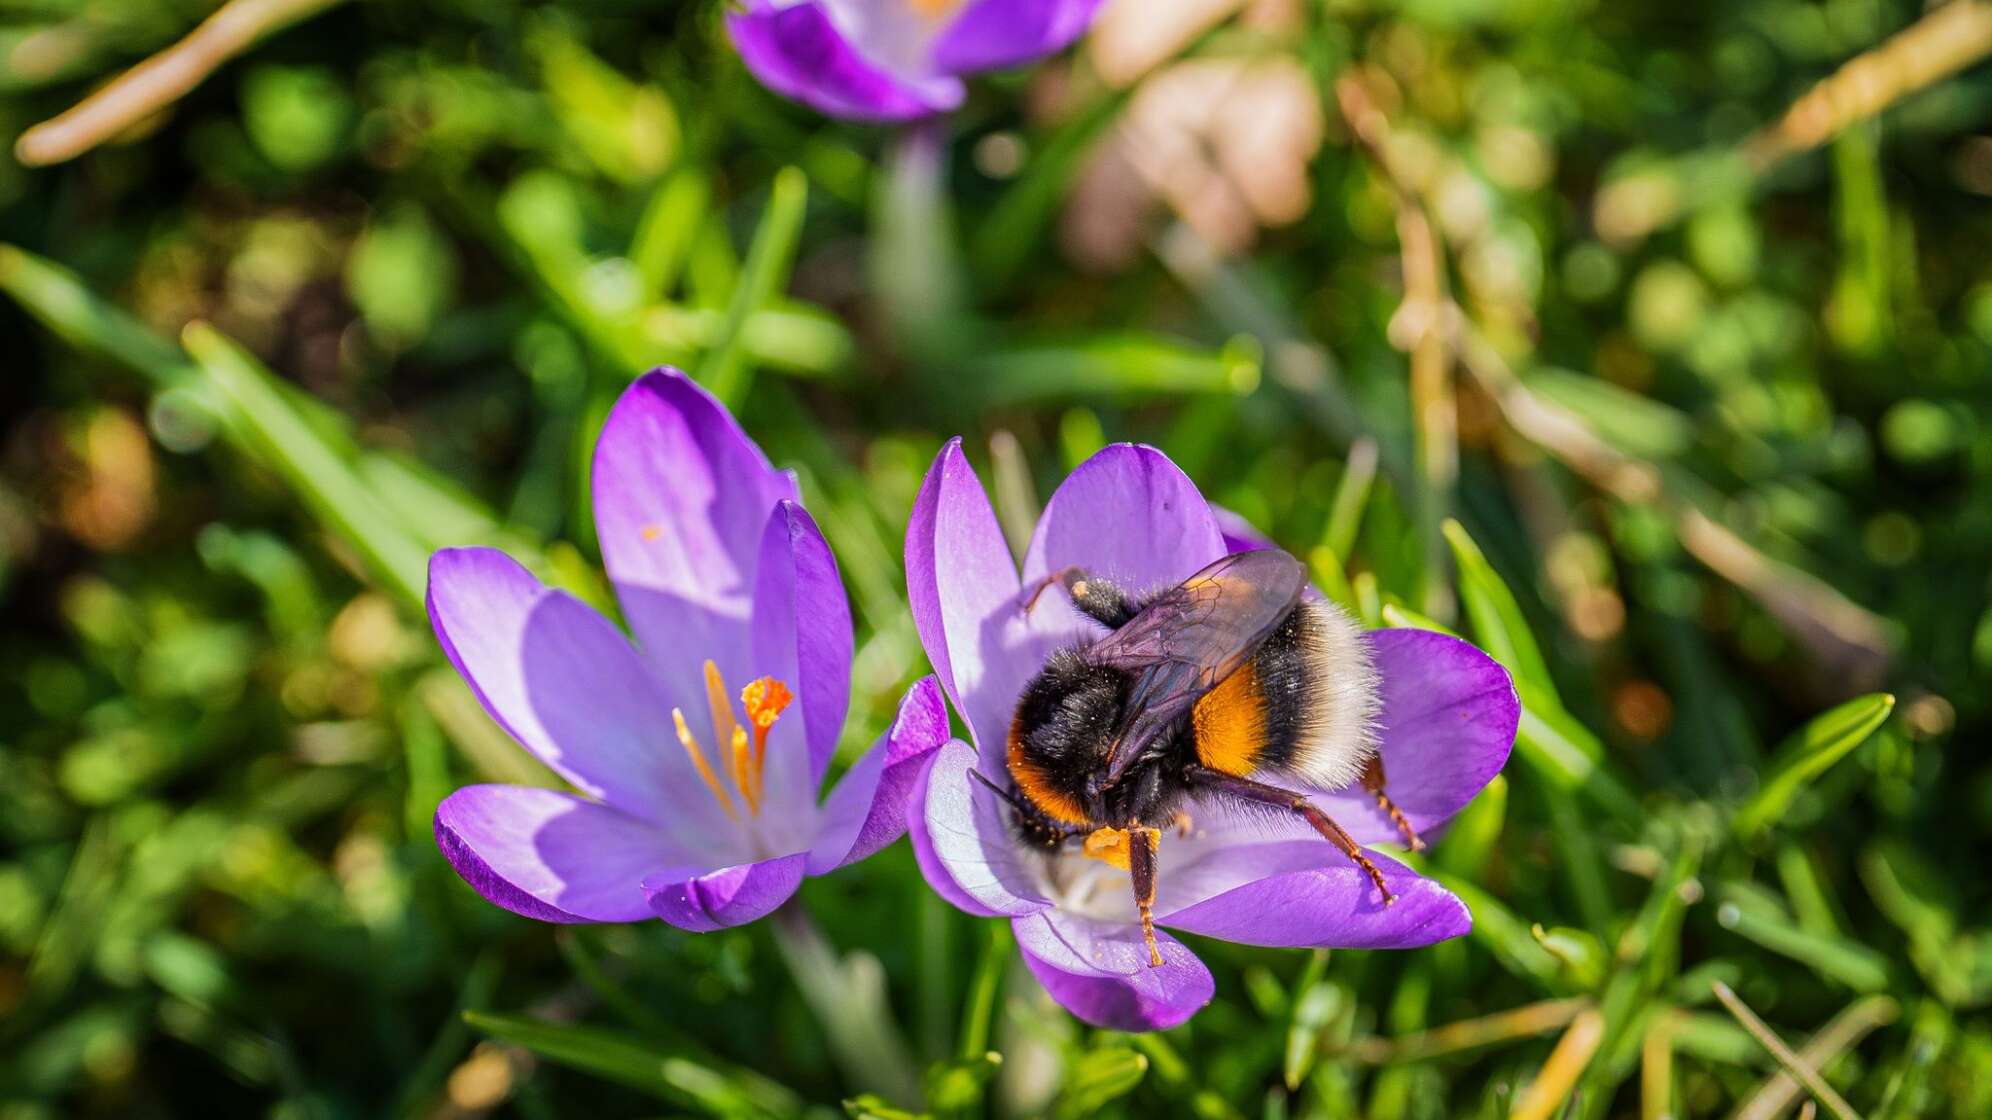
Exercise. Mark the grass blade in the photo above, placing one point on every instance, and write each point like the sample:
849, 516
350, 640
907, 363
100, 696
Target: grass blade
1817, 746
765, 273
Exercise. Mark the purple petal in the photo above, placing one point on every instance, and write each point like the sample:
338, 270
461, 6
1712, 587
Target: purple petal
963, 842
682, 498
1100, 972
799, 53
1127, 514
962, 586
1240, 535
564, 682
552, 855
993, 34
802, 636
731, 896
1306, 893
1448, 722
867, 809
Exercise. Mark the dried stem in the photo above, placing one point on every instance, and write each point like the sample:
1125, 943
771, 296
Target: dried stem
1559, 1073
1419, 327
1470, 1034
1845, 1030
1846, 637
159, 81
1656, 1068
1948, 39
1793, 1064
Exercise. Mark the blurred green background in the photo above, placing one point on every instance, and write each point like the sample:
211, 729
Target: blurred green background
1543, 321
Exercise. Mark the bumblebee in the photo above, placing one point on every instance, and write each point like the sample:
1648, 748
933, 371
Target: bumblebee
1196, 694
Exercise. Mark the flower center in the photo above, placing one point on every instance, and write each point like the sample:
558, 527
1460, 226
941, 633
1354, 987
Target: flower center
933, 9
742, 750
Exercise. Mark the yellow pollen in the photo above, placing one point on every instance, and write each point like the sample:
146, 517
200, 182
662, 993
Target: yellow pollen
1109, 846
691, 746
652, 532
742, 753
765, 700
933, 9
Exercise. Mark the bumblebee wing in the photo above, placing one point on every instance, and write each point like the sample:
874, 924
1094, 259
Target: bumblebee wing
1192, 636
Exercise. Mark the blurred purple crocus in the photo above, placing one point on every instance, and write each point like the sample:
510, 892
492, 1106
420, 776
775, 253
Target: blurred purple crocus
895, 60
1447, 721
688, 808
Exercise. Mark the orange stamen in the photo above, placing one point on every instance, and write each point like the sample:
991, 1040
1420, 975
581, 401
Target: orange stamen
746, 774
765, 700
691, 746
723, 723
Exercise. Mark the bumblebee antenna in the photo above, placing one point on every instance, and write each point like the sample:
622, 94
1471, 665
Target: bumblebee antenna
1007, 795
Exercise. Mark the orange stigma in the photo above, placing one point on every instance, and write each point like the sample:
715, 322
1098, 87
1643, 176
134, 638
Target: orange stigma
743, 755
765, 700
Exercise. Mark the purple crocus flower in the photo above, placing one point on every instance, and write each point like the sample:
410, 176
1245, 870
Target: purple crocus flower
1446, 724
895, 60
689, 808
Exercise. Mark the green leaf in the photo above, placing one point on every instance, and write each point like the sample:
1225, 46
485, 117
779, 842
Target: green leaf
626, 1061
1126, 365
1497, 618
871, 1106
957, 1085
1319, 1004
1806, 755
282, 436
769, 256
1099, 1077
1470, 838
1636, 424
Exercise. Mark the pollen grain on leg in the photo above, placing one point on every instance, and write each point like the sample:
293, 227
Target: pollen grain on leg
1109, 846
691, 745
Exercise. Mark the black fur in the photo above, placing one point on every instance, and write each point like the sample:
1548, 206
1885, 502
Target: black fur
1068, 713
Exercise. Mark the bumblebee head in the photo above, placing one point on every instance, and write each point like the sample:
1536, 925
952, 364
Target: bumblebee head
1059, 738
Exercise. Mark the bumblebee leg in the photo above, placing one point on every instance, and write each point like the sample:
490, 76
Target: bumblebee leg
1373, 782
1097, 598
1143, 844
1249, 790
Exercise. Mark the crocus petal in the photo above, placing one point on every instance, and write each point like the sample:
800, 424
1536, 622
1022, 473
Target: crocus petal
1447, 724
1240, 535
552, 855
1127, 514
993, 34
962, 586
682, 498
566, 684
1100, 972
964, 844
802, 636
731, 896
867, 809
1306, 893
798, 52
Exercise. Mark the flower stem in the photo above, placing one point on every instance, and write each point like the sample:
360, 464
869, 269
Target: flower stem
847, 995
